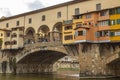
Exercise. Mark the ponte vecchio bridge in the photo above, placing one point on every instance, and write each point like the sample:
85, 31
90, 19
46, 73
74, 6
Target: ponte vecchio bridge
87, 29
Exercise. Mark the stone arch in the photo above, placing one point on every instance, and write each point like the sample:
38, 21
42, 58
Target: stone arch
44, 54
43, 33
57, 32
30, 35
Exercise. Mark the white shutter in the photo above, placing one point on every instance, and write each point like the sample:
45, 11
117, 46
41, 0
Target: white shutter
117, 33
84, 32
97, 34
76, 33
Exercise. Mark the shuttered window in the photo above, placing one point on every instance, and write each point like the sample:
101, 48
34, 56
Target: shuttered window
118, 21
118, 10
112, 34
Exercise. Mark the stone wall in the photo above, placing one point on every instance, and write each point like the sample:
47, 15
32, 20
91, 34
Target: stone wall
93, 59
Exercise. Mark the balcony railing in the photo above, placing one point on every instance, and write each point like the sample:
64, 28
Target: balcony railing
67, 22
82, 26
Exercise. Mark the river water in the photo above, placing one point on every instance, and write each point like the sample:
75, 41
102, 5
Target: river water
43, 77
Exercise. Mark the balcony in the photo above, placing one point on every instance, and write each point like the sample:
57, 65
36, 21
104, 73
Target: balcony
104, 39
101, 18
67, 22
85, 26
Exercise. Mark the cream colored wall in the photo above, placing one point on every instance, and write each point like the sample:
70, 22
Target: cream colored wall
51, 18
90, 5
51, 15
12, 22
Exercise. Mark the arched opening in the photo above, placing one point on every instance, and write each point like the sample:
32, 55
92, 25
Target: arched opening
43, 34
39, 62
29, 38
57, 32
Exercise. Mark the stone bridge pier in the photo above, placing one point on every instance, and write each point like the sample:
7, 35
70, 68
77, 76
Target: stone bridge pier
99, 59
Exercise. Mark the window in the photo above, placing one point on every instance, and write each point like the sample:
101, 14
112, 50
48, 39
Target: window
112, 11
59, 15
88, 15
17, 23
8, 34
30, 20
112, 22
103, 13
1, 34
69, 37
98, 6
43, 18
7, 43
102, 33
14, 29
14, 35
97, 34
78, 25
14, 42
68, 27
112, 34
77, 11
82, 33
118, 21
78, 17
7, 25
118, 10
104, 23
117, 33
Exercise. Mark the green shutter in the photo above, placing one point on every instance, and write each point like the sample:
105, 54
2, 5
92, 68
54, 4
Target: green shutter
113, 22
109, 22
112, 11
118, 10
118, 21
112, 34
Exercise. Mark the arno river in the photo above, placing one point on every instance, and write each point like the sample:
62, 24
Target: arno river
43, 77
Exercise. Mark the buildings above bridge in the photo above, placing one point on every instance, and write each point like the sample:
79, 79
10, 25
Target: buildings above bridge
100, 26
71, 22
12, 39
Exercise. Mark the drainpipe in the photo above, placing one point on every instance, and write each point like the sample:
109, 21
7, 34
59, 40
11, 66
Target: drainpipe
67, 12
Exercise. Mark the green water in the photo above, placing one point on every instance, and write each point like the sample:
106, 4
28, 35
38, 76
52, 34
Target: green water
42, 77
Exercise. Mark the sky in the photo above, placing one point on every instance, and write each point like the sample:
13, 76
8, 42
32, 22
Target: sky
14, 7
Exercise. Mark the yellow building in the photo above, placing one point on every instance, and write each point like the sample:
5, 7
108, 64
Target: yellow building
12, 39
68, 32
5, 38
115, 24
17, 37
